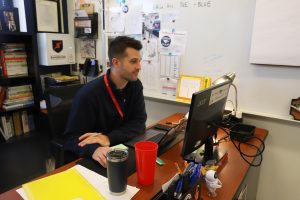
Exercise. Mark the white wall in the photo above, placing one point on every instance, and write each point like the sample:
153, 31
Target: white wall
279, 175
279, 171
219, 41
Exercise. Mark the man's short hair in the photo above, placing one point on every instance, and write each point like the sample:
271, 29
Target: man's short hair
117, 47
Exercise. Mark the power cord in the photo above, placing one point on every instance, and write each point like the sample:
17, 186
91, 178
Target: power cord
239, 147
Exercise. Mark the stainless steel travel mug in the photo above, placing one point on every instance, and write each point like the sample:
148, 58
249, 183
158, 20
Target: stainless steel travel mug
117, 170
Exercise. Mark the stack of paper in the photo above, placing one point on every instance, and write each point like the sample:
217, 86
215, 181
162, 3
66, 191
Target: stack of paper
75, 183
65, 185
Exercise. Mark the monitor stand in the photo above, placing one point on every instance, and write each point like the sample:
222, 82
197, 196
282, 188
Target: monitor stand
212, 154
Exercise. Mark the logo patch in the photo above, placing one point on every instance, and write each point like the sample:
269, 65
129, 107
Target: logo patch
57, 45
165, 41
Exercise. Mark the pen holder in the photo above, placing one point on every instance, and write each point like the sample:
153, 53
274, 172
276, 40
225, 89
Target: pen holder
191, 192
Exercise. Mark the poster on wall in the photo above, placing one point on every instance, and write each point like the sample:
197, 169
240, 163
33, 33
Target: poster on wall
172, 42
88, 48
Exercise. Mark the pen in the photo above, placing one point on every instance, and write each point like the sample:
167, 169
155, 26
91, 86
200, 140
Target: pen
177, 192
190, 165
195, 174
177, 166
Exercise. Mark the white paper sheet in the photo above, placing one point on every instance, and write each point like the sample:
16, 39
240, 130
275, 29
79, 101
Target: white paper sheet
168, 86
169, 65
169, 19
133, 20
172, 42
99, 182
149, 75
188, 87
276, 33
115, 20
150, 50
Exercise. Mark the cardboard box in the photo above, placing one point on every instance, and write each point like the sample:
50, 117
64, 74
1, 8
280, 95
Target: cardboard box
56, 49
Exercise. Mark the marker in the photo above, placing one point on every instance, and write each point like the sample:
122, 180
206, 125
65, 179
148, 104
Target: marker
177, 166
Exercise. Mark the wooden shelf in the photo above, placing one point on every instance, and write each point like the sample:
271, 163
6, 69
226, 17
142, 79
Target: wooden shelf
8, 33
22, 137
12, 81
3, 112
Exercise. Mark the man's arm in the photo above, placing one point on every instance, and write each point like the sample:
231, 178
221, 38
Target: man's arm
81, 120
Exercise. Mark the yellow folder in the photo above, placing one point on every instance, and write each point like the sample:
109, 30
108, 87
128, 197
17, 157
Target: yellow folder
67, 185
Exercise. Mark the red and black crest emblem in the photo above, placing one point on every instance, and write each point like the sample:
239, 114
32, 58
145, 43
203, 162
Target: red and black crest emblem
57, 45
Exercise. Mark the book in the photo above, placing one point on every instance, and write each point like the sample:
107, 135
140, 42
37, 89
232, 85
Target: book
24, 104
4, 127
24, 119
2, 130
31, 122
17, 123
69, 184
7, 126
3, 63
2, 95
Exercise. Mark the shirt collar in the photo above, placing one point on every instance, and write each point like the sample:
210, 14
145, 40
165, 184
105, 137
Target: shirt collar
112, 84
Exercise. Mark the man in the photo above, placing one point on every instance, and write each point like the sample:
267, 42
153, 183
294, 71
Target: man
110, 109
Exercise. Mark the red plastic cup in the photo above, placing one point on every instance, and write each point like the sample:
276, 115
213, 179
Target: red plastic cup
145, 154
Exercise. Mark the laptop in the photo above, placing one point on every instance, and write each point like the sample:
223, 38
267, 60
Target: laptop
160, 134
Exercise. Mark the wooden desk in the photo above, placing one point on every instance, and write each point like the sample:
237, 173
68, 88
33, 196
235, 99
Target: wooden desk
232, 173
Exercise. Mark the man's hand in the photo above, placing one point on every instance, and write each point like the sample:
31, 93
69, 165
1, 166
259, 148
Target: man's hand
92, 138
100, 155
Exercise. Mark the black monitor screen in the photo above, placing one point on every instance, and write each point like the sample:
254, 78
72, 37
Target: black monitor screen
206, 111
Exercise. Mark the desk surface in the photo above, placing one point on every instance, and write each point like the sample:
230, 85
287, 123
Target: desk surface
231, 173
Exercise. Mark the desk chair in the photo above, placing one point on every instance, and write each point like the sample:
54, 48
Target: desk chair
59, 101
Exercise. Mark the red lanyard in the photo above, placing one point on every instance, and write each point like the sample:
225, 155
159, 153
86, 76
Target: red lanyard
113, 98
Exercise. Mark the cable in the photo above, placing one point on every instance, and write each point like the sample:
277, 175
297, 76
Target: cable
245, 156
233, 107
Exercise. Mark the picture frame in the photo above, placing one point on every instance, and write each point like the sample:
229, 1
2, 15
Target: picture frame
47, 16
295, 108
9, 20
88, 48
187, 85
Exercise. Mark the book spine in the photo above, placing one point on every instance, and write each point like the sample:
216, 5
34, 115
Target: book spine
4, 125
10, 125
17, 123
2, 96
3, 129
24, 118
4, 68
31, 122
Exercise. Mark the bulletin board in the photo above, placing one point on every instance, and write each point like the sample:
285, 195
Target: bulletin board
219, 35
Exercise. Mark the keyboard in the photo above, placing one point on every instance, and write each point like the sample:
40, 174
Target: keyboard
156, 138
153, 135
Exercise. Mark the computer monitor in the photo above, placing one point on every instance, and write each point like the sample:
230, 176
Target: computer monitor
206, 111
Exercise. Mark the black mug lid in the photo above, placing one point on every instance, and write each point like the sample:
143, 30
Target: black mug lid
117, 155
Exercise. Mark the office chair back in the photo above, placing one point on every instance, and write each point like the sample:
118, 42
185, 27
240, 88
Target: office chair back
59, 101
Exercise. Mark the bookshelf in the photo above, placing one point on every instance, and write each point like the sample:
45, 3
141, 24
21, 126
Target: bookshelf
23, 156
18, 116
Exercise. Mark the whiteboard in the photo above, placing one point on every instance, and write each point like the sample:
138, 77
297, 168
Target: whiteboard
219, 41
276, 33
